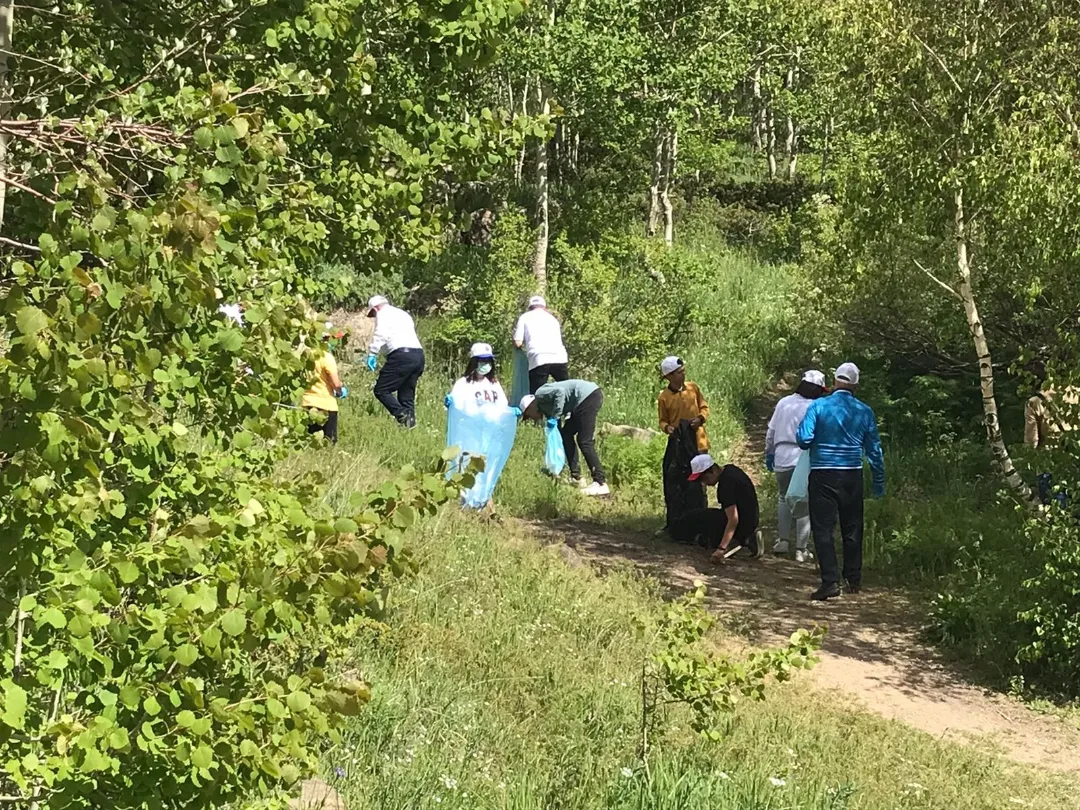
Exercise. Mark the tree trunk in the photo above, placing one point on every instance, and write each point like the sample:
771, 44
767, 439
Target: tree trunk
519, 165
757, 135
671, 154
7, 27
653, 222
771, 141
982, 352
791, 145
825, 148
540, 248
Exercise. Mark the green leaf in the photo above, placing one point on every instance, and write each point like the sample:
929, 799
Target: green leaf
151, 706
344, 525
27, 603
14, 706
53, 616
202, 757
127, 571
234, 622
231, 340
186, 654
271, 38
130, 695
218, 175
104, 219
204, 137
31, 321
185, 719
275, 708
298, 701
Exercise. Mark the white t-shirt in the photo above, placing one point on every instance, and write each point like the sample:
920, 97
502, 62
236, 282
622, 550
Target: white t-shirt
539, 333
482, 393
780, 438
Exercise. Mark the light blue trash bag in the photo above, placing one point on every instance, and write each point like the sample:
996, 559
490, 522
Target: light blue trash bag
486, 431
798, 488
519, 383
554, 452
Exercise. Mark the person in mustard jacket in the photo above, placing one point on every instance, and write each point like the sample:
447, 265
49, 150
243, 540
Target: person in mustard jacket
682, 412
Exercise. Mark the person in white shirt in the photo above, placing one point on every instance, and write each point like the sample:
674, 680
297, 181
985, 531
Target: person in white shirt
395, 336
538, 332
782, 454
480, 387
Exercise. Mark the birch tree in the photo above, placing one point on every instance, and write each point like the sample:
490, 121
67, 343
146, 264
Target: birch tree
942, 99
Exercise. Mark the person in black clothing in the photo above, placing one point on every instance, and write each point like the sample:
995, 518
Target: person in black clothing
681, 495
734, 524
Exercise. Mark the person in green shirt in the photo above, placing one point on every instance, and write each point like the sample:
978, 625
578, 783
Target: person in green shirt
578, 402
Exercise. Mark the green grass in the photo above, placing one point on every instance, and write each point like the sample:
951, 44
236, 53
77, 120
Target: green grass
508, 679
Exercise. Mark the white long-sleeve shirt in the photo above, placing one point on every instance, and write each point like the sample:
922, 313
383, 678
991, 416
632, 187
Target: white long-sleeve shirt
539, 333
780, 438
394, 329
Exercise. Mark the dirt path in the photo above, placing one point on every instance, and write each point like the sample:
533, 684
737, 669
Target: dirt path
872, 650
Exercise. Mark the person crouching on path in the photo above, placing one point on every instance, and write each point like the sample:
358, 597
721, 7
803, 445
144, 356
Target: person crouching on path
734, 524
539, 334
480, 385
782, 453
839, 430
321, 399
682, 412
395, 335
579, 403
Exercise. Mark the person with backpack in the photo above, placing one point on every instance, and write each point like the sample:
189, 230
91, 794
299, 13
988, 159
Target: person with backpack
782, 453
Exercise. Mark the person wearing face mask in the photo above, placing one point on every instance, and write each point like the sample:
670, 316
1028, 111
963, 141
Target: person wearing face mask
480, 386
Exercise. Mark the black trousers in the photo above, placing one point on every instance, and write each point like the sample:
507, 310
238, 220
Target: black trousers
707, 526
539, 375
396, 386
837, 494
327, 427
582, 426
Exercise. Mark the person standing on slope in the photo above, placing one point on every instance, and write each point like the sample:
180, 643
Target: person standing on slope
539, 334
839, 430
782, 453
682, 412
579, 403
395, 335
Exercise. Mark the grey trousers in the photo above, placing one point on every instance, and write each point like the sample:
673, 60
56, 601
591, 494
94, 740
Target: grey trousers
786, 518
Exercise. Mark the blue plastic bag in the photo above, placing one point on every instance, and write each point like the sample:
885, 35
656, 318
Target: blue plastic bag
486, 431
798, 489
519, 383
554, 452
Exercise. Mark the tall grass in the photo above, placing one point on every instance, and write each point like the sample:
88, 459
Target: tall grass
507, 678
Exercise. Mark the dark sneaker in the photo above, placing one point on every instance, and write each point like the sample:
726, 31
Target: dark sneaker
853, 587
826, 592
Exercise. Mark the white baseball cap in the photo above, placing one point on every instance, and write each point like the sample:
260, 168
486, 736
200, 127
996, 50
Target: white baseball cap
847, 372
481, 350
537, 301
670, 364
526, 401
699, 465
816, 377
375, 301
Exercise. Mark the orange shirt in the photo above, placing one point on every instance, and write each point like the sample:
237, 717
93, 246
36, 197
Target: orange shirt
672, 406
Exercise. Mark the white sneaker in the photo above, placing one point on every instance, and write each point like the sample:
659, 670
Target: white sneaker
780, 547
803, 556
594, 489
580, 483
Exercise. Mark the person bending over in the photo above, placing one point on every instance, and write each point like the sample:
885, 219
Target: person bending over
578, 402
735, 524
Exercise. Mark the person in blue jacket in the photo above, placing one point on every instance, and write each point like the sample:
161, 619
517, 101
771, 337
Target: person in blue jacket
839, 430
